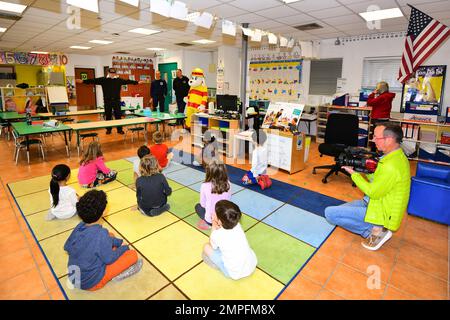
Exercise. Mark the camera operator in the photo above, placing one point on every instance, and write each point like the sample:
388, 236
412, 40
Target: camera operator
386, 193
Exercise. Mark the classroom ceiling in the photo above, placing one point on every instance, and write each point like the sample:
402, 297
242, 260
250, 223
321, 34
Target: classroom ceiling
43, 24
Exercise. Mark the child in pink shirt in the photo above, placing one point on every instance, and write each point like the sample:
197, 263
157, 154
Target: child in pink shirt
215, 188
93, 171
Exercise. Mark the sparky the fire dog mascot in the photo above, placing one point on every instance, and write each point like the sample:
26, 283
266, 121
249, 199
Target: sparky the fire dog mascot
197, 98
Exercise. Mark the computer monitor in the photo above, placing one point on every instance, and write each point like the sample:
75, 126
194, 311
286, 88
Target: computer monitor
226, 103
364, 94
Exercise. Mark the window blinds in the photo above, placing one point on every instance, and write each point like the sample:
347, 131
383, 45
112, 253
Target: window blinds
324, 75
381, 69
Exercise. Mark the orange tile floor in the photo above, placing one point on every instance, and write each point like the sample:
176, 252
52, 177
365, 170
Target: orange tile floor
414, 264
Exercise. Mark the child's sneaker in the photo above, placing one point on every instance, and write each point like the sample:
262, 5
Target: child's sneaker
196, 163
261, 183
267, 181
50, 216
203, 225
135, 268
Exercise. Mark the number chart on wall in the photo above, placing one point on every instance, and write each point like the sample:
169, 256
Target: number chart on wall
276, 80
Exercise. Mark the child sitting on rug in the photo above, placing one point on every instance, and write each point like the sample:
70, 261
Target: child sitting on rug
142, 152
215, 188
63, 199
160, 151
258, 173
228, 249
152, 188
95, 255
210, 150
93, 171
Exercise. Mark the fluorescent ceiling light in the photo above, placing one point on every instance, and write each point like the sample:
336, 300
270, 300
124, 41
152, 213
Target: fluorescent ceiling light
290, 1
39, 52
381, 14
11, 7
2, 29
91, 5
156, 49
80, 47
203, 41
132, 2
147, 32
101, 41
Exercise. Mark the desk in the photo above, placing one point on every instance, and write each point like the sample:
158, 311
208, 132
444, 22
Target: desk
11, 116
77, 127
162, 116
308, 118
25, 130
70, 114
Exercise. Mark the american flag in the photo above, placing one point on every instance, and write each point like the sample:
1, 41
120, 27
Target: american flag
424, 35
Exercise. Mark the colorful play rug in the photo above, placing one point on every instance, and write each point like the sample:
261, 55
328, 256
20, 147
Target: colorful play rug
284, 226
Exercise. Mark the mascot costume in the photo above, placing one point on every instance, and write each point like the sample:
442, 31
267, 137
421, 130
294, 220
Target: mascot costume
197, 98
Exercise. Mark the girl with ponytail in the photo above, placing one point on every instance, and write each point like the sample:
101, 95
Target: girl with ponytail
63, 199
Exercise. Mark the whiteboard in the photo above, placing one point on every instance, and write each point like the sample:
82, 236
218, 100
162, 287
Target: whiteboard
57, 95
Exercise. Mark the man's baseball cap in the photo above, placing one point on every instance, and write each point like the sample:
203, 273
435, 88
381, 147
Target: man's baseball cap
112, 70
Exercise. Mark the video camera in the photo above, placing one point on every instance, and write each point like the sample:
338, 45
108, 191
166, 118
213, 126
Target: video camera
360, 159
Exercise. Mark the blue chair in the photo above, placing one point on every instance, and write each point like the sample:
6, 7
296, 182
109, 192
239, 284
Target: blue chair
430, 193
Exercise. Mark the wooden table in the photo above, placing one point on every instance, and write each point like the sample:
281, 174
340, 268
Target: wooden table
77, 127
25, 130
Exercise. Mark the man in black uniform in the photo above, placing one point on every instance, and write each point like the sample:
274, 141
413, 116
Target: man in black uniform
111, 86
181, 88
158, 92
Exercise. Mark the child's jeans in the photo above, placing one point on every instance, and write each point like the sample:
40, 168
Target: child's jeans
126, 260
155, 211
249, 178
217, 259
201, 212
101, 179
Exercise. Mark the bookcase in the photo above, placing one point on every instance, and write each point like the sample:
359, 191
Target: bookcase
14, 99
363, 113
426, 141
223, 129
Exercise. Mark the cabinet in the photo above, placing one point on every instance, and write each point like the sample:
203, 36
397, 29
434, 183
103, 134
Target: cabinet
363, 114
15, 99
426, 141
222, 129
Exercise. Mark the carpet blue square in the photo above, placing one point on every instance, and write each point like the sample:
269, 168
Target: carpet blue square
186, 176
301, 224
172, 167
255, 204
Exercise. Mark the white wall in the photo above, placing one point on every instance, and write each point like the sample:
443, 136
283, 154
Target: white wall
231, 58
188, 60
353, 54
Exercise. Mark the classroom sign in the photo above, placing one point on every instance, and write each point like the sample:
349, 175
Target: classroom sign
38, 59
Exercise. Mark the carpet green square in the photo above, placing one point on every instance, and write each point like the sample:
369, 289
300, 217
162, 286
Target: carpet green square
126, 177
279, 254
119, 165
246, 222
182, 202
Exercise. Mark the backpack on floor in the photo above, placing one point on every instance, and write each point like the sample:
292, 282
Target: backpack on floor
264, 181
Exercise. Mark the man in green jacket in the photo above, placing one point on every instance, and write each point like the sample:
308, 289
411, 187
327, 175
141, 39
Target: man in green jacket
386, 193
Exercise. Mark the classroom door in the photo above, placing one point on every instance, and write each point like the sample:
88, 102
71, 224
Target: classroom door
168, 71
86, 94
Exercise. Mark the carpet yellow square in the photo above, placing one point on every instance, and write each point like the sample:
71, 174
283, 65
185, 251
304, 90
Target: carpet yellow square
173, 250
133, 225
206, 283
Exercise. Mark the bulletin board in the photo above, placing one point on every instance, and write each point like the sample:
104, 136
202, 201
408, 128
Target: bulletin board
137, 69
276, 80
